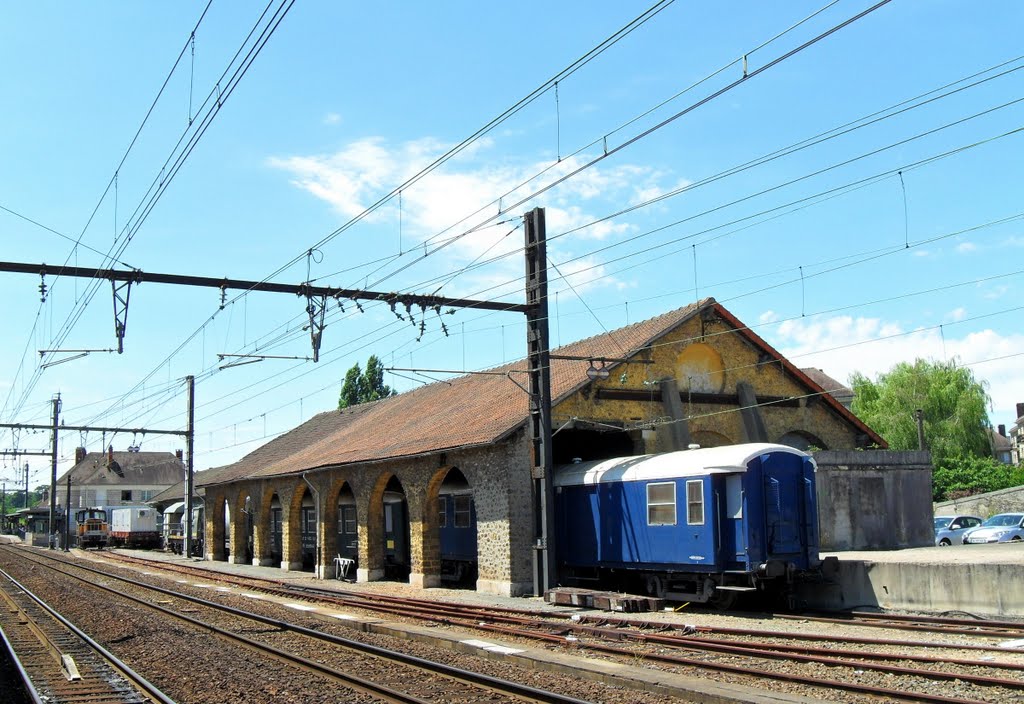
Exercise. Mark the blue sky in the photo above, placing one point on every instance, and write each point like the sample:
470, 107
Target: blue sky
895, 237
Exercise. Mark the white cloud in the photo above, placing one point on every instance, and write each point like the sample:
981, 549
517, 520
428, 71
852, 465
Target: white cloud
841, 345
463, 193
996, 292
957, 314
332, 118
769, 316
966, 247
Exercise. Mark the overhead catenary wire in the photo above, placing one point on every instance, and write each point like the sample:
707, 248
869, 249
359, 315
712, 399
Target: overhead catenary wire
162, 180
705, 100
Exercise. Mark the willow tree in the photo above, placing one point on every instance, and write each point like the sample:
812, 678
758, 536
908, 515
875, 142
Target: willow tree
954, 404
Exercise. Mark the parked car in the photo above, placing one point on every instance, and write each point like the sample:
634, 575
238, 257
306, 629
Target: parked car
1001, 528
949, 530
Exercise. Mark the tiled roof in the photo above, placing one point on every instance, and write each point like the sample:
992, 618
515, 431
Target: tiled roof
842, 392
466, 411
128, 468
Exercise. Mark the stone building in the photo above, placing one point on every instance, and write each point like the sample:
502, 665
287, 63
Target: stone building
692, 375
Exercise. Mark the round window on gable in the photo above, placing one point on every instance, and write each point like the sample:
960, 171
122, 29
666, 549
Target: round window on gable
699, 368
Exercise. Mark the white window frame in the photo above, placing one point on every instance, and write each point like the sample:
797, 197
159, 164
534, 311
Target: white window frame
690, 504
657, 504
463, 511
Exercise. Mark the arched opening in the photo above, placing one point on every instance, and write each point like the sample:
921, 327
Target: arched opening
802, 440
348, 528
709, 438
307, 531
226, 531
456, 521
246, 546
276, 527
397, 560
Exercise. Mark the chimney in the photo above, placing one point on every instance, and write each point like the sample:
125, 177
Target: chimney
79, 454
180, 454
1020, 410
1002, 430
110, 455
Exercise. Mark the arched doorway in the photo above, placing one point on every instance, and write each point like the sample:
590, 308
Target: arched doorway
456, 521
397, 559
307, 531
276, 529
802, 440
347, 546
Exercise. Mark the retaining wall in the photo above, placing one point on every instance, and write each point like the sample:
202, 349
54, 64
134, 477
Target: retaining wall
984, 505
874, 499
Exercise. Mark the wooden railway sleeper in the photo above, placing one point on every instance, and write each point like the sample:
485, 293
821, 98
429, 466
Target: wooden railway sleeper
64, 661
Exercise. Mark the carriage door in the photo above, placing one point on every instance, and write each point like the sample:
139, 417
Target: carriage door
783, 496
734, 534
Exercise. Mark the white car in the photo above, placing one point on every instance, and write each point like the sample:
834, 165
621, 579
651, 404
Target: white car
1001, 528
949, 530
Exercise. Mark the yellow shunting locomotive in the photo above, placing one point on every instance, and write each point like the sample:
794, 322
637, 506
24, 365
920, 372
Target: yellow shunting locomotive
93, 530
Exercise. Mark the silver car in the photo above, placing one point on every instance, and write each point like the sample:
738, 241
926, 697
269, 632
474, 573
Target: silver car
949, 530
1001, 528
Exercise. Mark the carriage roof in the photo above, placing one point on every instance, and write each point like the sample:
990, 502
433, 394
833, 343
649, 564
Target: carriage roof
669, 465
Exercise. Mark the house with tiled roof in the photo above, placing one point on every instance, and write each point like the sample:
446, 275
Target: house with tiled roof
337, 483
118, 478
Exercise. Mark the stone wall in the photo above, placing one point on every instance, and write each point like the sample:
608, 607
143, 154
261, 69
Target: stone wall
984, 505
499, 476
874, 499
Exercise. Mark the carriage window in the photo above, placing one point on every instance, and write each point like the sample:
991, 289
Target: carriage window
695, 502
442, 511
463, 506
661, 504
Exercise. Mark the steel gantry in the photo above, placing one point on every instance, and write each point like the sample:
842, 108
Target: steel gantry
317, 297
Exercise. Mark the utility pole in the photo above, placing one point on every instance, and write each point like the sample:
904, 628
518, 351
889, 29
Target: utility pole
53, 477
3, 521
190, 438
545, 565
67, 516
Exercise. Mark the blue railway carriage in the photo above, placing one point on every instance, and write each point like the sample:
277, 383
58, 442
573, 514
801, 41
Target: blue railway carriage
700, 525
457, 529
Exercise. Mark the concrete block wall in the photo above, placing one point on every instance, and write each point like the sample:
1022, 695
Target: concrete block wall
984, 505
874, 499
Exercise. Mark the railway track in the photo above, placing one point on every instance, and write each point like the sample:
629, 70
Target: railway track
57, 662
428, 681
712, 648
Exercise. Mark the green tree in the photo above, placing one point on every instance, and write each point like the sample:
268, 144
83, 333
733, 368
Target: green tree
956, 424
362, 387
965, 476
955, 407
